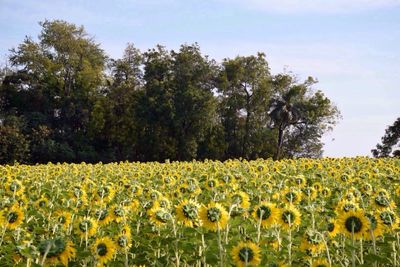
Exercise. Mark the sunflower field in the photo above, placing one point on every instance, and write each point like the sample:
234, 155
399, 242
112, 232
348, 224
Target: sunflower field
325, 212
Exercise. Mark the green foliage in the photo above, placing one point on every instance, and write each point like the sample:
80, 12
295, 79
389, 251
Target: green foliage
75, 104
390, 145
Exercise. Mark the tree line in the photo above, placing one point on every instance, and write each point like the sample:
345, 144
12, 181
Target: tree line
62, 99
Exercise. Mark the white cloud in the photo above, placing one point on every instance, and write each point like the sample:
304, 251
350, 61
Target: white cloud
315, 6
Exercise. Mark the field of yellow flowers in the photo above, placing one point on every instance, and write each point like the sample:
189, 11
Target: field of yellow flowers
326, 212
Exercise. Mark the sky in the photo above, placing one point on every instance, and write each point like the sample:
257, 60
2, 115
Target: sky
351, 46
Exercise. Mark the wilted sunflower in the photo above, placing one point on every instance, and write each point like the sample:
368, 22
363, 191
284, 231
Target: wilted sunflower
12, 217
57, 251
353, 223
187, 212
289, 217
267, 213
214, 216
246, 254
104, 250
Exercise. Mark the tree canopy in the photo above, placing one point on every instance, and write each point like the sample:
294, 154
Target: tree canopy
390, 145
62, 99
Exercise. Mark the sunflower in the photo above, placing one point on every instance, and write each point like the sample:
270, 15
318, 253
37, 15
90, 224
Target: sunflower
291, 196
289, 217
246, 254
12, 217
42, 202
389, 219
353, 223
332, 228
299, 181
310, 193
214, 216
15, 187
104, 194
267, 213
124, 239
241, 199
57, 251
63, 218
118, 213
159, 216
346, 206
382, 202
87, 226
376, 227
102, 216
211, 183
104, 250
187, 212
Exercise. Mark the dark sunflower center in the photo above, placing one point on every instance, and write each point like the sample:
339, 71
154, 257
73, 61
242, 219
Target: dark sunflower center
53, 247
182, 189
101, 249
291, 196
101, 214
331, 227
12, 217
190, 211
213, 214
288, 217
85, 225
246, 254
263, 212
353, 224
42, 203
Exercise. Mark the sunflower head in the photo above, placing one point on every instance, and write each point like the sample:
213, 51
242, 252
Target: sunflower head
214, 216
246, 254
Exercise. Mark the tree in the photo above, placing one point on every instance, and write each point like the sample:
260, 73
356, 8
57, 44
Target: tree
390, 145
301, 114
55, 85
244, 87
14, 145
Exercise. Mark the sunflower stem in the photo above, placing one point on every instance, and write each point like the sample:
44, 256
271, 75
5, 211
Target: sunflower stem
221, 252
361, 251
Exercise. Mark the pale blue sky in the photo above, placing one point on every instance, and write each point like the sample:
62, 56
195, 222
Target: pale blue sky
351, 46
